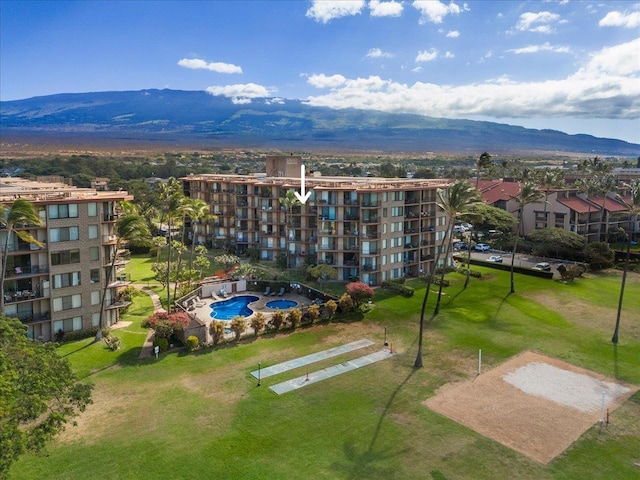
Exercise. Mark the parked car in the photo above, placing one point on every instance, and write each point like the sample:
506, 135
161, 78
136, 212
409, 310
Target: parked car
482, 247
495, 258
461, 246
543, 266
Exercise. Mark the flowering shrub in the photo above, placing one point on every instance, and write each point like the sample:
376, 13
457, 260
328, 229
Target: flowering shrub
294, 317
192, 343
359, 292
164, 323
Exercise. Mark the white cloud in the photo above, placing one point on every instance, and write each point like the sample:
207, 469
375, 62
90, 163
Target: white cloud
545, 47
377, 53
324, 11
274, 101
219, 67
427, 55
241, 93
453, 34
324, 81
449, 55
385, 9
620, 19
607, 86
540, 22
434, 11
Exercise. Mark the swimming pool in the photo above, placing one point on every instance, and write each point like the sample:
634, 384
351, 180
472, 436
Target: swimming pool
233, 307
281, 304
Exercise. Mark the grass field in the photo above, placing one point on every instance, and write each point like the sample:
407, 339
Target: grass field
201, 415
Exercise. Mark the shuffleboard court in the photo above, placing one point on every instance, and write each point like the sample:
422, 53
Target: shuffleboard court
308, 359
329, 372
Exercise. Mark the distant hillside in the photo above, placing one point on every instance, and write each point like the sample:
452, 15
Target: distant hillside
200, 119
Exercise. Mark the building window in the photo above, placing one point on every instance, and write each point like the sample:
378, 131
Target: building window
68, 325
93, 231
94, 275
67, 302
63, 211
95, 297
92, 209
95, 319
65, 257
63, 234
94, 253
62, 280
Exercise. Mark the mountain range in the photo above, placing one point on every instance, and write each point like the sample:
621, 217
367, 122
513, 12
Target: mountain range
199, 119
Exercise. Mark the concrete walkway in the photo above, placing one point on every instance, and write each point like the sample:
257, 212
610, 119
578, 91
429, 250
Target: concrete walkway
147, 347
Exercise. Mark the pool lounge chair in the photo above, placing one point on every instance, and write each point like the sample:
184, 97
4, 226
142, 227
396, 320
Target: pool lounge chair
199, 303
281, 292
267, 291
223, 293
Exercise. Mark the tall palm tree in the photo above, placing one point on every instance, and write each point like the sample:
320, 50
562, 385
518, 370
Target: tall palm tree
128, 227
289, 201
198, 212
529, 193
550, 179
171, 197
20, 213
589, 187
484, 161
604, 185
457, 202
459, 193
634, 211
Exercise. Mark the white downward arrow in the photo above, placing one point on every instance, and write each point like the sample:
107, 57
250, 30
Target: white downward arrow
302, 196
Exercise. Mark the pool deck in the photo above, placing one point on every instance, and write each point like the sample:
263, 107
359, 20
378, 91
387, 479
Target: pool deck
204, 312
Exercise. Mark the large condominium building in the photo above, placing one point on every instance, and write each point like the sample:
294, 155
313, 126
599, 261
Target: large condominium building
57, 287
371, 229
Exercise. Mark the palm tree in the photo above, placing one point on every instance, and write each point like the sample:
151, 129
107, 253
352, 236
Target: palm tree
289, 201
20, 213
198, 212
634, 210
459, 193
589, 187
128, 227
604, 184
550, 179
529, 193
456, 203
171, 197
484, 161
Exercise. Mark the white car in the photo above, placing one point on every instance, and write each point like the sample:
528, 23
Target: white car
482, 247
495, 258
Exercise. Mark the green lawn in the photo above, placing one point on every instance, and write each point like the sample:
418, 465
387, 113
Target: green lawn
200, 416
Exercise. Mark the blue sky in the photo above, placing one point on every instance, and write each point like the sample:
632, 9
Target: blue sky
573, 66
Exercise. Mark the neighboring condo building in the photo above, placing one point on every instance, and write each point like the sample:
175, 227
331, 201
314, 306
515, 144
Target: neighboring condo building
58, 287
371, 229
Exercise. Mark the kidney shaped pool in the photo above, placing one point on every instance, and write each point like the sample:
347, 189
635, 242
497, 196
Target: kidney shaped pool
233, 307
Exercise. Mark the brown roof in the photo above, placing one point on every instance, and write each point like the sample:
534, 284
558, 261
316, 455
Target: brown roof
578, 204
609, 204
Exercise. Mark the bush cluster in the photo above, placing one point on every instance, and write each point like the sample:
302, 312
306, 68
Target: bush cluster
192, 343
397, 285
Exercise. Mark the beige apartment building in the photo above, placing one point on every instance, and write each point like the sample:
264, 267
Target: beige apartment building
58, 287
371, 229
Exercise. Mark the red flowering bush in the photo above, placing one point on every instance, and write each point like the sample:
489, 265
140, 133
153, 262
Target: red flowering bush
164, 323
359, 292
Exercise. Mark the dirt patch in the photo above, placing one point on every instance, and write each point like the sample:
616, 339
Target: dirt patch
563, 402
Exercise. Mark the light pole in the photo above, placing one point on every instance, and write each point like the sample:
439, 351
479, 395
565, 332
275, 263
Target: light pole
385, 337
259, 364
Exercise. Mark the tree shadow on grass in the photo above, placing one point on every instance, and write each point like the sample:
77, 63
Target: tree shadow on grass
365, 464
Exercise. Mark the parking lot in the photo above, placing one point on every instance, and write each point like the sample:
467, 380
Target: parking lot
521, 260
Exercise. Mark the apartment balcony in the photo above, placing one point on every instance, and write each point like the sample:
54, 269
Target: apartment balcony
109, 239
27, 271
117, 304
21, 296
110, 217
370, 220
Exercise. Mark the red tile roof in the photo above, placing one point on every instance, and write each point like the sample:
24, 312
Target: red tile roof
609, 204
578, 204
